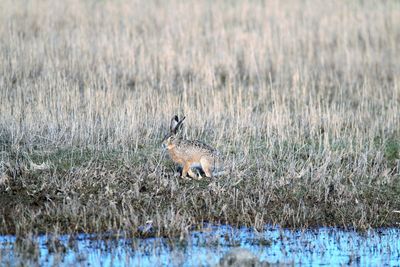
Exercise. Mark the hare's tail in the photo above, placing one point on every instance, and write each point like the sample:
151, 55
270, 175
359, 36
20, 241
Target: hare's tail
223, 168
228, 167
219, 173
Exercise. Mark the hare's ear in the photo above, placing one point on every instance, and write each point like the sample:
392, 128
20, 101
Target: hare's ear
179, 125
176, 124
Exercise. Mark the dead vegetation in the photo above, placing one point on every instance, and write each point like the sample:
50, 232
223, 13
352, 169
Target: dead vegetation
303, 99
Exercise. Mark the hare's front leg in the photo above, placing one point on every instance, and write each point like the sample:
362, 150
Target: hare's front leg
187, 170
193, 175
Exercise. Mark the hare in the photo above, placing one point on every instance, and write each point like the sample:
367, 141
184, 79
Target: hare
189, 153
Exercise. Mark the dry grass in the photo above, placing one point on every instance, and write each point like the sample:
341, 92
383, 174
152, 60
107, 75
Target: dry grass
302, 97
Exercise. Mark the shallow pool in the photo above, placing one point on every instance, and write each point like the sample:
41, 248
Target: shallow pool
323, 246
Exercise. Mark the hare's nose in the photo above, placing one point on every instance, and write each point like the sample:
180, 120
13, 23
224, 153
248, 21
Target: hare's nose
164, 146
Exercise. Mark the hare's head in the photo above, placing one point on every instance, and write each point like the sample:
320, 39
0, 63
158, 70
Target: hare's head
175, 125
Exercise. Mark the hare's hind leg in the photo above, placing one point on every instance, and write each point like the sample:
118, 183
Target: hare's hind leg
206, 166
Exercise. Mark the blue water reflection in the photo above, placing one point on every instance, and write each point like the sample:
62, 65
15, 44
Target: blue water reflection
323, 246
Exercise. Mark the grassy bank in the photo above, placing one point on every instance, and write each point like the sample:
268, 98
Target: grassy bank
302, 99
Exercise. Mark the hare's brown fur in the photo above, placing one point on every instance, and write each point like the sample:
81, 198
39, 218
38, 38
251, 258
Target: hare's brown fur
190, 153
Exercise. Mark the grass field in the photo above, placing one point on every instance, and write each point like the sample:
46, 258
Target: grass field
302, 98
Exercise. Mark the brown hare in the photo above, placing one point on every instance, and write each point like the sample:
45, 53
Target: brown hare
189, 153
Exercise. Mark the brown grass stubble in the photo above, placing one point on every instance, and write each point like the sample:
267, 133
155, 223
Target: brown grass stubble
301, 98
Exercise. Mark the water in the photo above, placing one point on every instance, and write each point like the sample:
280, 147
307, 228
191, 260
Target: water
323, 246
